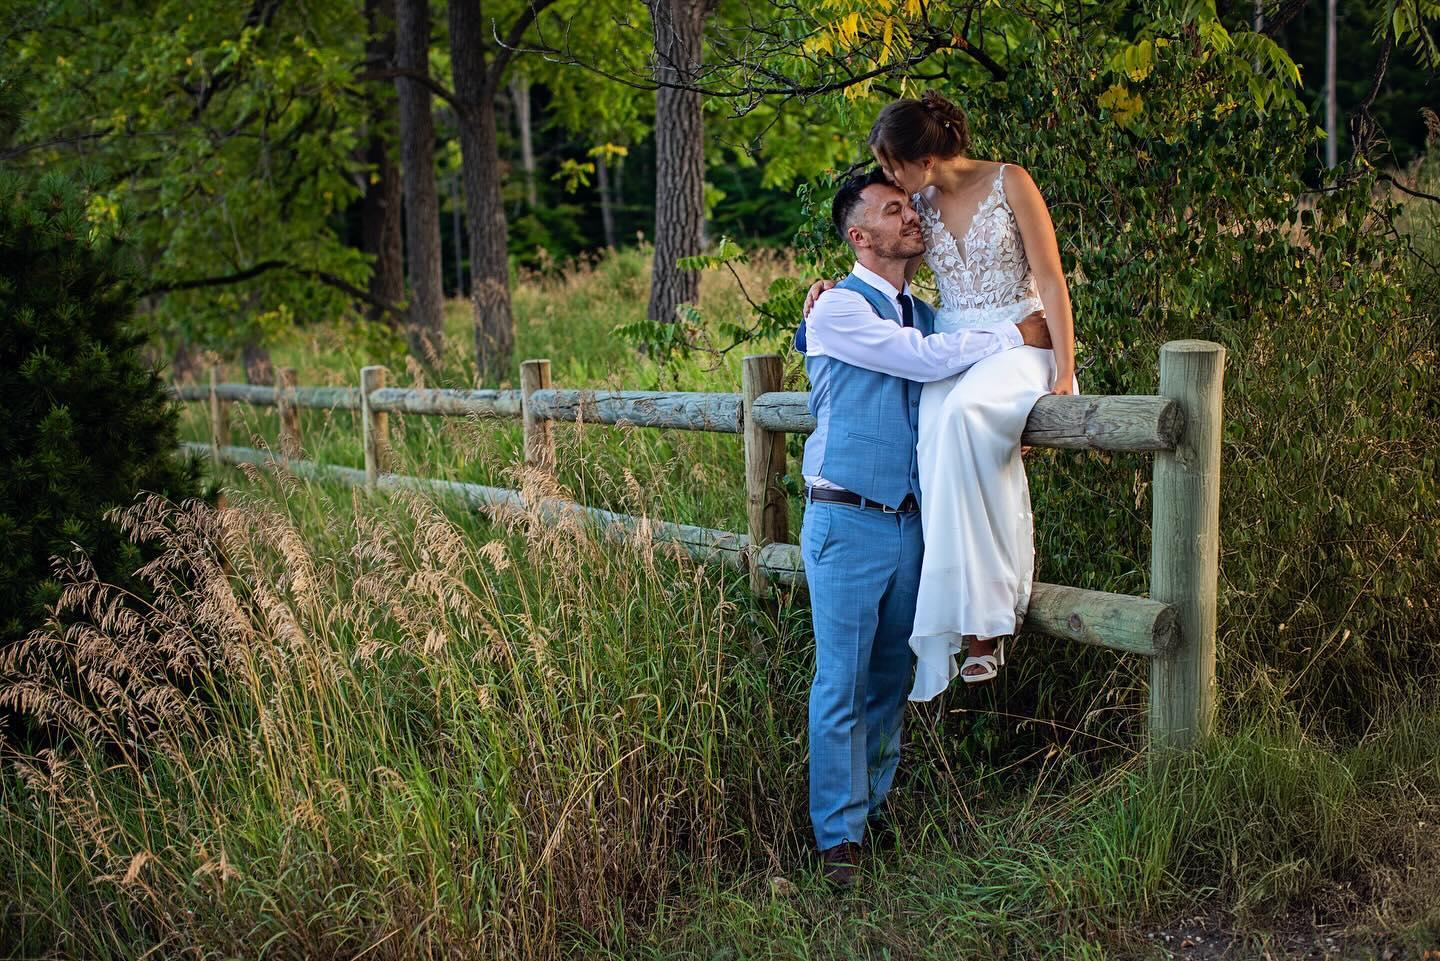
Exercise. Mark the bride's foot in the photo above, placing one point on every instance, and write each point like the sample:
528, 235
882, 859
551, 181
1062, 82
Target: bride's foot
985, 658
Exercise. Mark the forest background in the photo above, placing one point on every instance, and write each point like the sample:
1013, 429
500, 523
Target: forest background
390, 727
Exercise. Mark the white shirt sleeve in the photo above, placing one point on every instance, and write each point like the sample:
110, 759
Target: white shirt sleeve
843, 325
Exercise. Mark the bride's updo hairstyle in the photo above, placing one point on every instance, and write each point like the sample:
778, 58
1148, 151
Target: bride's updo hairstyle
911, 130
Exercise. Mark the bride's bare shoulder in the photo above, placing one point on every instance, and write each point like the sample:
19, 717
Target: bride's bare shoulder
1013, 172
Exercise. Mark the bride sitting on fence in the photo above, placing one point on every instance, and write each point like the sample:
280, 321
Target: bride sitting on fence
991, 246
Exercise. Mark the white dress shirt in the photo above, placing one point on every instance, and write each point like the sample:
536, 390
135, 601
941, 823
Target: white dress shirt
842, 325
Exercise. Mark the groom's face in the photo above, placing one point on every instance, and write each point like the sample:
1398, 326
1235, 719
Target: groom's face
888, 224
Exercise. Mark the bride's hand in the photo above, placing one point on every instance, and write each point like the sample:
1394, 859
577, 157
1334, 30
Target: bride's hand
1064, 383
816, 289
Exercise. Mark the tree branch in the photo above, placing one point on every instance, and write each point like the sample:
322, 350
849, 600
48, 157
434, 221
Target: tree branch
934, 43
260, 14
507, 47
1284, 13
1419, 194
981, 57
265, 267
10, 153
240, 276
1363, 124
392, 72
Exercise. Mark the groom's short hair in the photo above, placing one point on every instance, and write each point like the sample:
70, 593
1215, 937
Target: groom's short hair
847, 198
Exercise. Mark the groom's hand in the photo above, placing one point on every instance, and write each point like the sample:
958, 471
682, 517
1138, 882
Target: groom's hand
816, 289
1033, 330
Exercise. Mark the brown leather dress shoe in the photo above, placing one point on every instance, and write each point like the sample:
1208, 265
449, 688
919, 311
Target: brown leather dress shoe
839, 865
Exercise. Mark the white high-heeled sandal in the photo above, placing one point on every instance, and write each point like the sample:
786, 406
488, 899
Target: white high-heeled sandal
991, 662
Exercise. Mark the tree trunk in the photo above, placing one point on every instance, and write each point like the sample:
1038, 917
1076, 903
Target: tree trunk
455, 228
382, 229
520, 94
255, 357
422, 205
678, 27
186, 366
484, 207
607, 216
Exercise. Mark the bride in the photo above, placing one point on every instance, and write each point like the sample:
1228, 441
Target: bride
991, 246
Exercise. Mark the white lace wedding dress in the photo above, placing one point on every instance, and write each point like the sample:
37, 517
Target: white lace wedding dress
979, 535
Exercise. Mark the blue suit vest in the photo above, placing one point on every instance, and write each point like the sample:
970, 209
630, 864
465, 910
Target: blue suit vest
866, 422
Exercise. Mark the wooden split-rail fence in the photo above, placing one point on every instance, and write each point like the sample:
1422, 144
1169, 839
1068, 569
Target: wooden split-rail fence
1174, 627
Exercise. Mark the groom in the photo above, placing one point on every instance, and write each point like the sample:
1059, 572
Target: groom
869, 346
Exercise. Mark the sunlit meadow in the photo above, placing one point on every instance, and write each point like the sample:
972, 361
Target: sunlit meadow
384, 726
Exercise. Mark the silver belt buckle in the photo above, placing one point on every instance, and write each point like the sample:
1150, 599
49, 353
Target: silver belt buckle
889, 510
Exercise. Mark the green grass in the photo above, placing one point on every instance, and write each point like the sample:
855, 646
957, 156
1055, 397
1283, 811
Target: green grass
382, 727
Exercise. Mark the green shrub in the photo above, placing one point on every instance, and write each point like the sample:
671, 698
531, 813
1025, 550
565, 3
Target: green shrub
84, 422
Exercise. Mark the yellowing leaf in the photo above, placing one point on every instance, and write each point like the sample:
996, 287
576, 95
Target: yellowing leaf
1123, 105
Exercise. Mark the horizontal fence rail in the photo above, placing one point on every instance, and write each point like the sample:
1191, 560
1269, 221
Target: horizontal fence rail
1174, 628
1068, 422
447, 403
257, 395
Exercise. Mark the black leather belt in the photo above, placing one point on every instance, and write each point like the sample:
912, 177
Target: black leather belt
908, 506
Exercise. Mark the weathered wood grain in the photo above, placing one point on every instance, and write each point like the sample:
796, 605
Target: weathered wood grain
1120, 622
374, 424
1185, 544
1116, 621
286, 381
438, 402
539, 444
767, 510
327, 398
1127, 422
1075, 422
787, 411
678, 411
257, 395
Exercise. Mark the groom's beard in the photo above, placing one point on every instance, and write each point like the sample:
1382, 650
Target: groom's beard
902, 248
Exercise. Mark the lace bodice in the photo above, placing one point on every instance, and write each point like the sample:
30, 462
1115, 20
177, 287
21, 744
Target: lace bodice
986, 268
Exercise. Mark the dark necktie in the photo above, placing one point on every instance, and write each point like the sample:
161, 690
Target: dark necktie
907, 313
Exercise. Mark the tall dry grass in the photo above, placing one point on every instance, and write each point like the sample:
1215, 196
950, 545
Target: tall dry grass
345, 726
342, 726
382, 727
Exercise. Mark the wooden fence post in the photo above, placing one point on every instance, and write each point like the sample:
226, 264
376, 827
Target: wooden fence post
374, 424
285, 382
766, 508
219, 417
1185, 544
539, 445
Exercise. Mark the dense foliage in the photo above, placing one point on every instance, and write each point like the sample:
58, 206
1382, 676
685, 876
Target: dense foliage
1180, 198
84, 422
